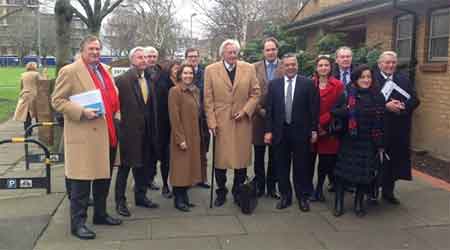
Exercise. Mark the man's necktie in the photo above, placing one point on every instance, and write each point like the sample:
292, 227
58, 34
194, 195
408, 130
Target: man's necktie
345, 78
288, 102
270, 71
144, 88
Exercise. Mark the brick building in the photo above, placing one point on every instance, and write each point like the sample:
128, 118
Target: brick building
418, 30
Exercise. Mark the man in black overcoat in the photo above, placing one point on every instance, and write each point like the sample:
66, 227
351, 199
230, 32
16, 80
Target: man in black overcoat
401, 101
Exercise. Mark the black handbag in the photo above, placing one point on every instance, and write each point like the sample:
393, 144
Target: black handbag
247, 196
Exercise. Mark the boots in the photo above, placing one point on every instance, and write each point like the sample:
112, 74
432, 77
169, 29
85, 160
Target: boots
339, 200
179, 200
359, 203
186, 199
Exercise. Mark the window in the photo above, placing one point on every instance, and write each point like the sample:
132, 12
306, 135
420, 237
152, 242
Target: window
438, 37
403, 37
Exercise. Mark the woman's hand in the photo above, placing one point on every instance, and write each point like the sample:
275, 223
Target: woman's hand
183, 146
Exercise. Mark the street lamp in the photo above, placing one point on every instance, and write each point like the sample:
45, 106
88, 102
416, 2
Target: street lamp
192, 15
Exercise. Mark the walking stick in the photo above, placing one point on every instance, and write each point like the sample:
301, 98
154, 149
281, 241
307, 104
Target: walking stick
212, 171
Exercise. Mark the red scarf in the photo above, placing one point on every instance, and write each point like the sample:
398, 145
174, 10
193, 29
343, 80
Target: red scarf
110, 100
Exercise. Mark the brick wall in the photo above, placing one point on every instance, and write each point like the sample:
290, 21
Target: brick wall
432, 119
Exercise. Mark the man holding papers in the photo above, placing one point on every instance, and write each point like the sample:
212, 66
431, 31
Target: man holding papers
138, 128
401, 101
90, 138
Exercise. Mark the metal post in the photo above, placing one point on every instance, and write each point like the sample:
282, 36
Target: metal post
39, 34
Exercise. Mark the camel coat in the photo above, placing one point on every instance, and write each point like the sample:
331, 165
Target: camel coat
184, 114
86, 142
223, 99
258, 117
26, 103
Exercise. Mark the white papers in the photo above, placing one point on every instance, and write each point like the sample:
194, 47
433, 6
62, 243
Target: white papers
90, 99
390, 86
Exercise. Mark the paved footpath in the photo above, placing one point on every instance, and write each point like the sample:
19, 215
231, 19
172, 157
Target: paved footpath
33, 220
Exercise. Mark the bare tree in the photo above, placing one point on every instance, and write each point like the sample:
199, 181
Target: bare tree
143, 22
63, 17
120, 31
229, 18
95, 12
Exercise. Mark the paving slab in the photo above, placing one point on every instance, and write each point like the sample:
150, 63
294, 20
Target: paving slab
288, 222
202, 243
437, 237
195, 227
372, 240
270, 241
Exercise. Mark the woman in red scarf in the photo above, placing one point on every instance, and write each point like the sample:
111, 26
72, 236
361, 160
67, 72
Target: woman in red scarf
327, 145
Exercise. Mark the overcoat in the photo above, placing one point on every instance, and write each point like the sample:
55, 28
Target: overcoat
184, 113
138, 123
86, 142
26, 103
223, 99
258, 117
397, 128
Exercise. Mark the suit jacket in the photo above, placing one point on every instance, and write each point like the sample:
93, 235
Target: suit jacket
28, 92
86, 142
138, 119
337, 73
223, 99
305, 109
258, 118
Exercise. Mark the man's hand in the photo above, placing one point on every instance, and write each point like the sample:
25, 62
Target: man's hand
183, 146
90, 114
395, 106
268, 138
262, 112
239, 115
314, 137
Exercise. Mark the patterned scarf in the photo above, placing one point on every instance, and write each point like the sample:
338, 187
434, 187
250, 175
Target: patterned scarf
351, 105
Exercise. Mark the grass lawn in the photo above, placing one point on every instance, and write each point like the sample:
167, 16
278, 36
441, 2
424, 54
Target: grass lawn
10, 87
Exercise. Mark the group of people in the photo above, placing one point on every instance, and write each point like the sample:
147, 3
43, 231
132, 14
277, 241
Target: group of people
354, 121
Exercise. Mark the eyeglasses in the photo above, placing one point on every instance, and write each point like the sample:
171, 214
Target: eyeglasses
192, 56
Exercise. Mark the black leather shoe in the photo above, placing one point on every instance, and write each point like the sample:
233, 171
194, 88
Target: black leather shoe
107, 220
273, 194
84, 233
153, 186
284, 203
220, 200
391, 199
166, 192
303, 204
146, 203
203, 185
122, 209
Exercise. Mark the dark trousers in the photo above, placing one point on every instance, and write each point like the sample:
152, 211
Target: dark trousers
164, 166
287, 152
325, 168
221, 178
141, 177
262, 178
28, 123
79, 196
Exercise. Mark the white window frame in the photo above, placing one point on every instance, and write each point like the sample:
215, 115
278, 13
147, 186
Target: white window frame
410, 37
430, 37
